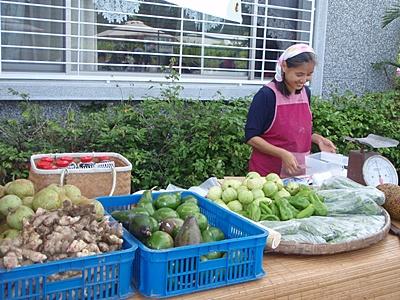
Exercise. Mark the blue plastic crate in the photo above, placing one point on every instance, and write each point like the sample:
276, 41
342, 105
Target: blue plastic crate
180, 270
103, 276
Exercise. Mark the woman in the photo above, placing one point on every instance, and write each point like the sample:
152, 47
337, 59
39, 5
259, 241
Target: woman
279, 121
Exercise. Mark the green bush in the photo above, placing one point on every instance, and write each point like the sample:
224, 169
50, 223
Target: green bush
179, 141
358, 116
175, 141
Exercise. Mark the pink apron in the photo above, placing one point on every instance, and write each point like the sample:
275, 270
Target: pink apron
291, 130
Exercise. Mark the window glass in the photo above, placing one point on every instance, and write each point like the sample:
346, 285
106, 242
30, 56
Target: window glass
136, 38
32, 35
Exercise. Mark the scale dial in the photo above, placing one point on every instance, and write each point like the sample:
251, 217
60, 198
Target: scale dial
378, 170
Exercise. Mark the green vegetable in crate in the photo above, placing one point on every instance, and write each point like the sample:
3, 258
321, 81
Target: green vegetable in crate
154, 225
148, 206
189, 199
320, 207
123, 216
160, 240
164, 213
189, 233
171, 200
212, 234
187, 209
171, 226
254, 212
300, 202
138, 211
307, 212
214, 255
141, 226
284, 209
146, 197
201, 220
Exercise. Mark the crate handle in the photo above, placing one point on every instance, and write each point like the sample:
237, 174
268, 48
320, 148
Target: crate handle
64, 173
64, 275
216, 253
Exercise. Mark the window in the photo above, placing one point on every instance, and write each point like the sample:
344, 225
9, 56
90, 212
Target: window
142, 38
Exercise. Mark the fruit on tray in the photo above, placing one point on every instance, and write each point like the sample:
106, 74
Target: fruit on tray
267, 198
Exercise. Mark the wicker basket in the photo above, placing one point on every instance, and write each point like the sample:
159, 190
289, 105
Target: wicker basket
93, 182
289, 247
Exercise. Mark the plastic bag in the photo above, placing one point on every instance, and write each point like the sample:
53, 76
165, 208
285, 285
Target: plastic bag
352, 201
322, 230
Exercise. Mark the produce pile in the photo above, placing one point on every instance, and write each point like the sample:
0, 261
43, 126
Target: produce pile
170, 220
267, 199
55, 223
340, 210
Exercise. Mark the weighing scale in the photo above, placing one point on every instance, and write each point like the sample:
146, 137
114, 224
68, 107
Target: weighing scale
369, 167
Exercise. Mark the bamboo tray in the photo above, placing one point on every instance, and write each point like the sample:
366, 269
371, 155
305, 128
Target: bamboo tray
288, 247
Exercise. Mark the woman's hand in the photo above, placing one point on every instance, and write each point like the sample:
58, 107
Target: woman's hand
289, 163
323, 143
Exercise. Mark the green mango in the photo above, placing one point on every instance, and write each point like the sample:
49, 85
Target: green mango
171, 200
187, 209
160, 240
212, 234
164, 213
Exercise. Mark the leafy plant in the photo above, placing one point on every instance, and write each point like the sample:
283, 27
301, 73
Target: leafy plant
391, 14
181, 141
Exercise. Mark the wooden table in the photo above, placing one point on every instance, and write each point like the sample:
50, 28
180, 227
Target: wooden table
370, 273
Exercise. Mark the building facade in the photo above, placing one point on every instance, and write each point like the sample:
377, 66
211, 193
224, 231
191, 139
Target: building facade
128, 49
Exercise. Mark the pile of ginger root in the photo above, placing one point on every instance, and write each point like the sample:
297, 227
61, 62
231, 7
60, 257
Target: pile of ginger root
71, 231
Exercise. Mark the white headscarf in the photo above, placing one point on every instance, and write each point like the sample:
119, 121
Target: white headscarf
292, 51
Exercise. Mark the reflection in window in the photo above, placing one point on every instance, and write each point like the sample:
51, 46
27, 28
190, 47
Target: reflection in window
131, 36
29, 41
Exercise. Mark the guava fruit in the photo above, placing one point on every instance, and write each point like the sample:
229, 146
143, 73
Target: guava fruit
9, 203
275, 178
281, 194
292, 188
229, 194
72, 192
255, 183
27, 201
242, 188
230, 183
245, 197
269, 188
47, 198
2, 191
15, 218
9, 234
21, 188
252, 174
214, 193
258, 193
235, 205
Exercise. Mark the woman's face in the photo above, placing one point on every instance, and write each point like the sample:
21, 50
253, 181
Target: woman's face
296, 77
